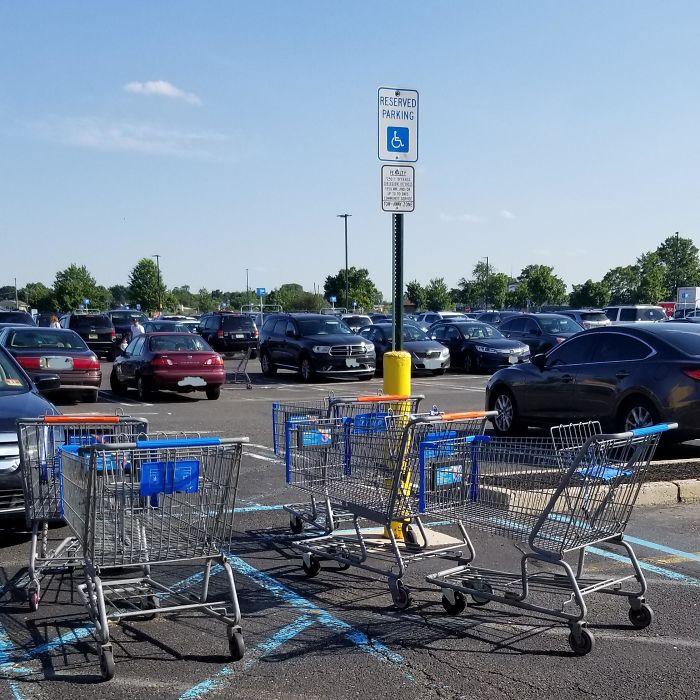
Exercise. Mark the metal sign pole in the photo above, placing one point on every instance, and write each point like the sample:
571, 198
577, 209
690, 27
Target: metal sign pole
397, 274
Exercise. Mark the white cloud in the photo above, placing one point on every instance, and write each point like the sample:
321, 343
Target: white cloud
100, 134
506, 214
464, 218
162, 88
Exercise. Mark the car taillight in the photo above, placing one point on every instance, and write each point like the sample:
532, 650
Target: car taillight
162, 361
692, 373
30, 362
114, 334
216, 360
255, 334
86, 363
219, 334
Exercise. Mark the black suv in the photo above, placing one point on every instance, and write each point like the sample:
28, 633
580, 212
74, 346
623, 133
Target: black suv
229, 332
314, 344
96, 330
121, 320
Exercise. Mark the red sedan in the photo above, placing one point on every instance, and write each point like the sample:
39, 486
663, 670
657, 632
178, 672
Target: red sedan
180, 362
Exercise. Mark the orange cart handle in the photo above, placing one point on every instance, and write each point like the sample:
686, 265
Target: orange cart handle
465, 415
61, 420
380, 398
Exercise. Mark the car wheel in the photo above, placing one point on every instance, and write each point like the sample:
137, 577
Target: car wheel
306, 370
253, 354
142, 389
115, 385
213, 392
506, 422
637, 413
469, 364
268, 369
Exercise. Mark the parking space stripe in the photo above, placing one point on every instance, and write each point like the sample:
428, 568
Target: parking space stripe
662, 548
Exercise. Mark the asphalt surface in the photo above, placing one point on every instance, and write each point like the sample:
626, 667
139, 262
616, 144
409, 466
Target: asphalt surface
338, 634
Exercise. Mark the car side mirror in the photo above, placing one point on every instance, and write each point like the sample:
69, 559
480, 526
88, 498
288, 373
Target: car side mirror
539, 360
47, 382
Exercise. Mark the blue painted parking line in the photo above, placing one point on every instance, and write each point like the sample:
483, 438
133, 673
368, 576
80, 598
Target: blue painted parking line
663, 548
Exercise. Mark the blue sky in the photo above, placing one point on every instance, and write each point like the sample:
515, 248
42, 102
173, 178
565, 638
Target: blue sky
229, 135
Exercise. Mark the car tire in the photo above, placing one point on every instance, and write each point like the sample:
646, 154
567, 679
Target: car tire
253, 354
115, 385
306, 370
268, 369
213, 392
636, 412
506, 422
142, 389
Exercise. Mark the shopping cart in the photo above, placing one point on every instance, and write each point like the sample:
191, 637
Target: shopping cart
40, 444
240, 373
147, 503
368, 465
555, 496
286, 414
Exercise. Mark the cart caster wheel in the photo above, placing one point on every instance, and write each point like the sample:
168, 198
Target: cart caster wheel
343, 552
643, 617
236, 644
296, 525
584, 644
454, 608
149, 603
480, 586
312, 568
33, 600
249, 387
409, 536
107, 663
400, 596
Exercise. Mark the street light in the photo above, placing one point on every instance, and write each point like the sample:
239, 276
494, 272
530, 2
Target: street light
247, 289
345, 217
157, 257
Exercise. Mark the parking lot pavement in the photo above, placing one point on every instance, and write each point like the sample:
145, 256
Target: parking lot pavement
337, 635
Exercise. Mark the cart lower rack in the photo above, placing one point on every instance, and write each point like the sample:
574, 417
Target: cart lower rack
147, 503
554, 496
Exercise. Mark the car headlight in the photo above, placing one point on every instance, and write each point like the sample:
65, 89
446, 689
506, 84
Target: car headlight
444, 353
321, 349
484, 349
369, 347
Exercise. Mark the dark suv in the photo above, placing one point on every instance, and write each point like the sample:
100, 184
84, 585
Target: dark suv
229, 332
96, 330
314, 344
21, 318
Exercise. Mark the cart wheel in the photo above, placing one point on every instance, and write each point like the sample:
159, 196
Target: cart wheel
454, 608
236, 644
107, 663
400, 595
409, 536
643, 617
479, 586
296, 524
150, 603
313, 567
584, 644
343, 552
248, 386
33, 597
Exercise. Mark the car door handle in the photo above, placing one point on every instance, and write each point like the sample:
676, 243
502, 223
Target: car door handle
622, 374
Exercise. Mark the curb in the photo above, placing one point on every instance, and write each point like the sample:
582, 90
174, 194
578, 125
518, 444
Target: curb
660, 493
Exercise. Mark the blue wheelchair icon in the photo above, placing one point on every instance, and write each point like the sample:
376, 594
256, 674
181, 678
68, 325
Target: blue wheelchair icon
397, 139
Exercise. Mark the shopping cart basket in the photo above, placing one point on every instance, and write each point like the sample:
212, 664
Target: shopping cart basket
557, 498
40, 444
368, 465
284, 415
148, 503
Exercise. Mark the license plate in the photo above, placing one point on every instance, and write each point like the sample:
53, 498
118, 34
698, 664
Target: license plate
351, 362
60, 363
92, 336
432, 364
240, 335
192, 381
513, 359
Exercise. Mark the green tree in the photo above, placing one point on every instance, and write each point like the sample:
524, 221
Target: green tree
361, 288
437, 295
7, 292
204, 301
541, 286
415, 293
622, 283
144, 286
679, 257
120, 294
590, 294
651, 279
72, 285
39, 297
101, 298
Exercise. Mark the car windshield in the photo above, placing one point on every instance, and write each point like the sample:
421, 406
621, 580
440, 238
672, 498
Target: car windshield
652, 314
413, 333
237, 323
47, 339
479, 330
16, 317
164, 327
559, 324
123, 318
11, 381
323, 326
187, 342
593, 316
85, 323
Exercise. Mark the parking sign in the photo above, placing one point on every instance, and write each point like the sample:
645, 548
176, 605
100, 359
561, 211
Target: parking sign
398, 125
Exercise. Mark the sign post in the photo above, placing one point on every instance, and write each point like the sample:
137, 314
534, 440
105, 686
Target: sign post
260, 293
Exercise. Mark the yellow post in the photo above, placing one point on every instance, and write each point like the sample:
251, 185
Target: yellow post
397, 382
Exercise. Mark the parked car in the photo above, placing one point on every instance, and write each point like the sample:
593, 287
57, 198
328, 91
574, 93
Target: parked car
181, 362
686, 312
378, 318
21, 317
495, 318
314, 344
357, 321
44, 320
427, 318
635, 313
19, 398
427, 355
540, 332
122, 319
55, 351
96, 330
229, 332
156, 325
475, 346
626, 377
587, 318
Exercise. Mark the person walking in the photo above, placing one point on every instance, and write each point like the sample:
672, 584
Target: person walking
54, 322
136, 327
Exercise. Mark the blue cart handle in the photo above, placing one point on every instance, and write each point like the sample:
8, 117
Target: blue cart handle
653, 429
183, 442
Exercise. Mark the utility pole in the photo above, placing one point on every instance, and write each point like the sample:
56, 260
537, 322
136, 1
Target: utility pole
160, 305
247, 288
675, 270
347, 295
17, 300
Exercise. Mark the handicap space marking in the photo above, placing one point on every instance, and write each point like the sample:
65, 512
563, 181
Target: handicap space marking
690, 556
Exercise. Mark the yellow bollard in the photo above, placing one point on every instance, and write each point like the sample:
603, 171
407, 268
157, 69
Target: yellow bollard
397, 382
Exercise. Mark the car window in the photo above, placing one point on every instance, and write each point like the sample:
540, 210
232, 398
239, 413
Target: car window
617, 347
135, 346
628, 314
479, 330
573, 352
178, 343
411, 332
611, 314
650, 315
530, 326
560, 325
453, 334
323, 326
517, 325
439, 333
596, 316
280, 326
86, 323
123, 318
237, 323
46, 339
11, 379
290, 328
685, 341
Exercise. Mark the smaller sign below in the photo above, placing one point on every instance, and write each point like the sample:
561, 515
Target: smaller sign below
398, 188
260, 291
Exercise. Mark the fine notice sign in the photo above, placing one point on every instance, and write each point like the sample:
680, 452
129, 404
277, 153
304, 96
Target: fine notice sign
398, 188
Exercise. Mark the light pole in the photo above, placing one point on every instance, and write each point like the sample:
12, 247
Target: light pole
247, 289
486, 286
347, 296
157, 257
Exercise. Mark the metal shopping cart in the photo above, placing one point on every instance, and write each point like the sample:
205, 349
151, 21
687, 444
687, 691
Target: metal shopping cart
286, 414
40, 444
554, 495
147, 503
368, 465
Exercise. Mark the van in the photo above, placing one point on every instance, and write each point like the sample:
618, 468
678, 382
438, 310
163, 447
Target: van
635, 313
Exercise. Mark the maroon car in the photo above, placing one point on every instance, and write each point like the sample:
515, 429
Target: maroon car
180, 362
54, 351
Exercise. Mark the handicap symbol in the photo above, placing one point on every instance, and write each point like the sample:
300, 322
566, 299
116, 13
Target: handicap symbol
397, 139
396, 142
